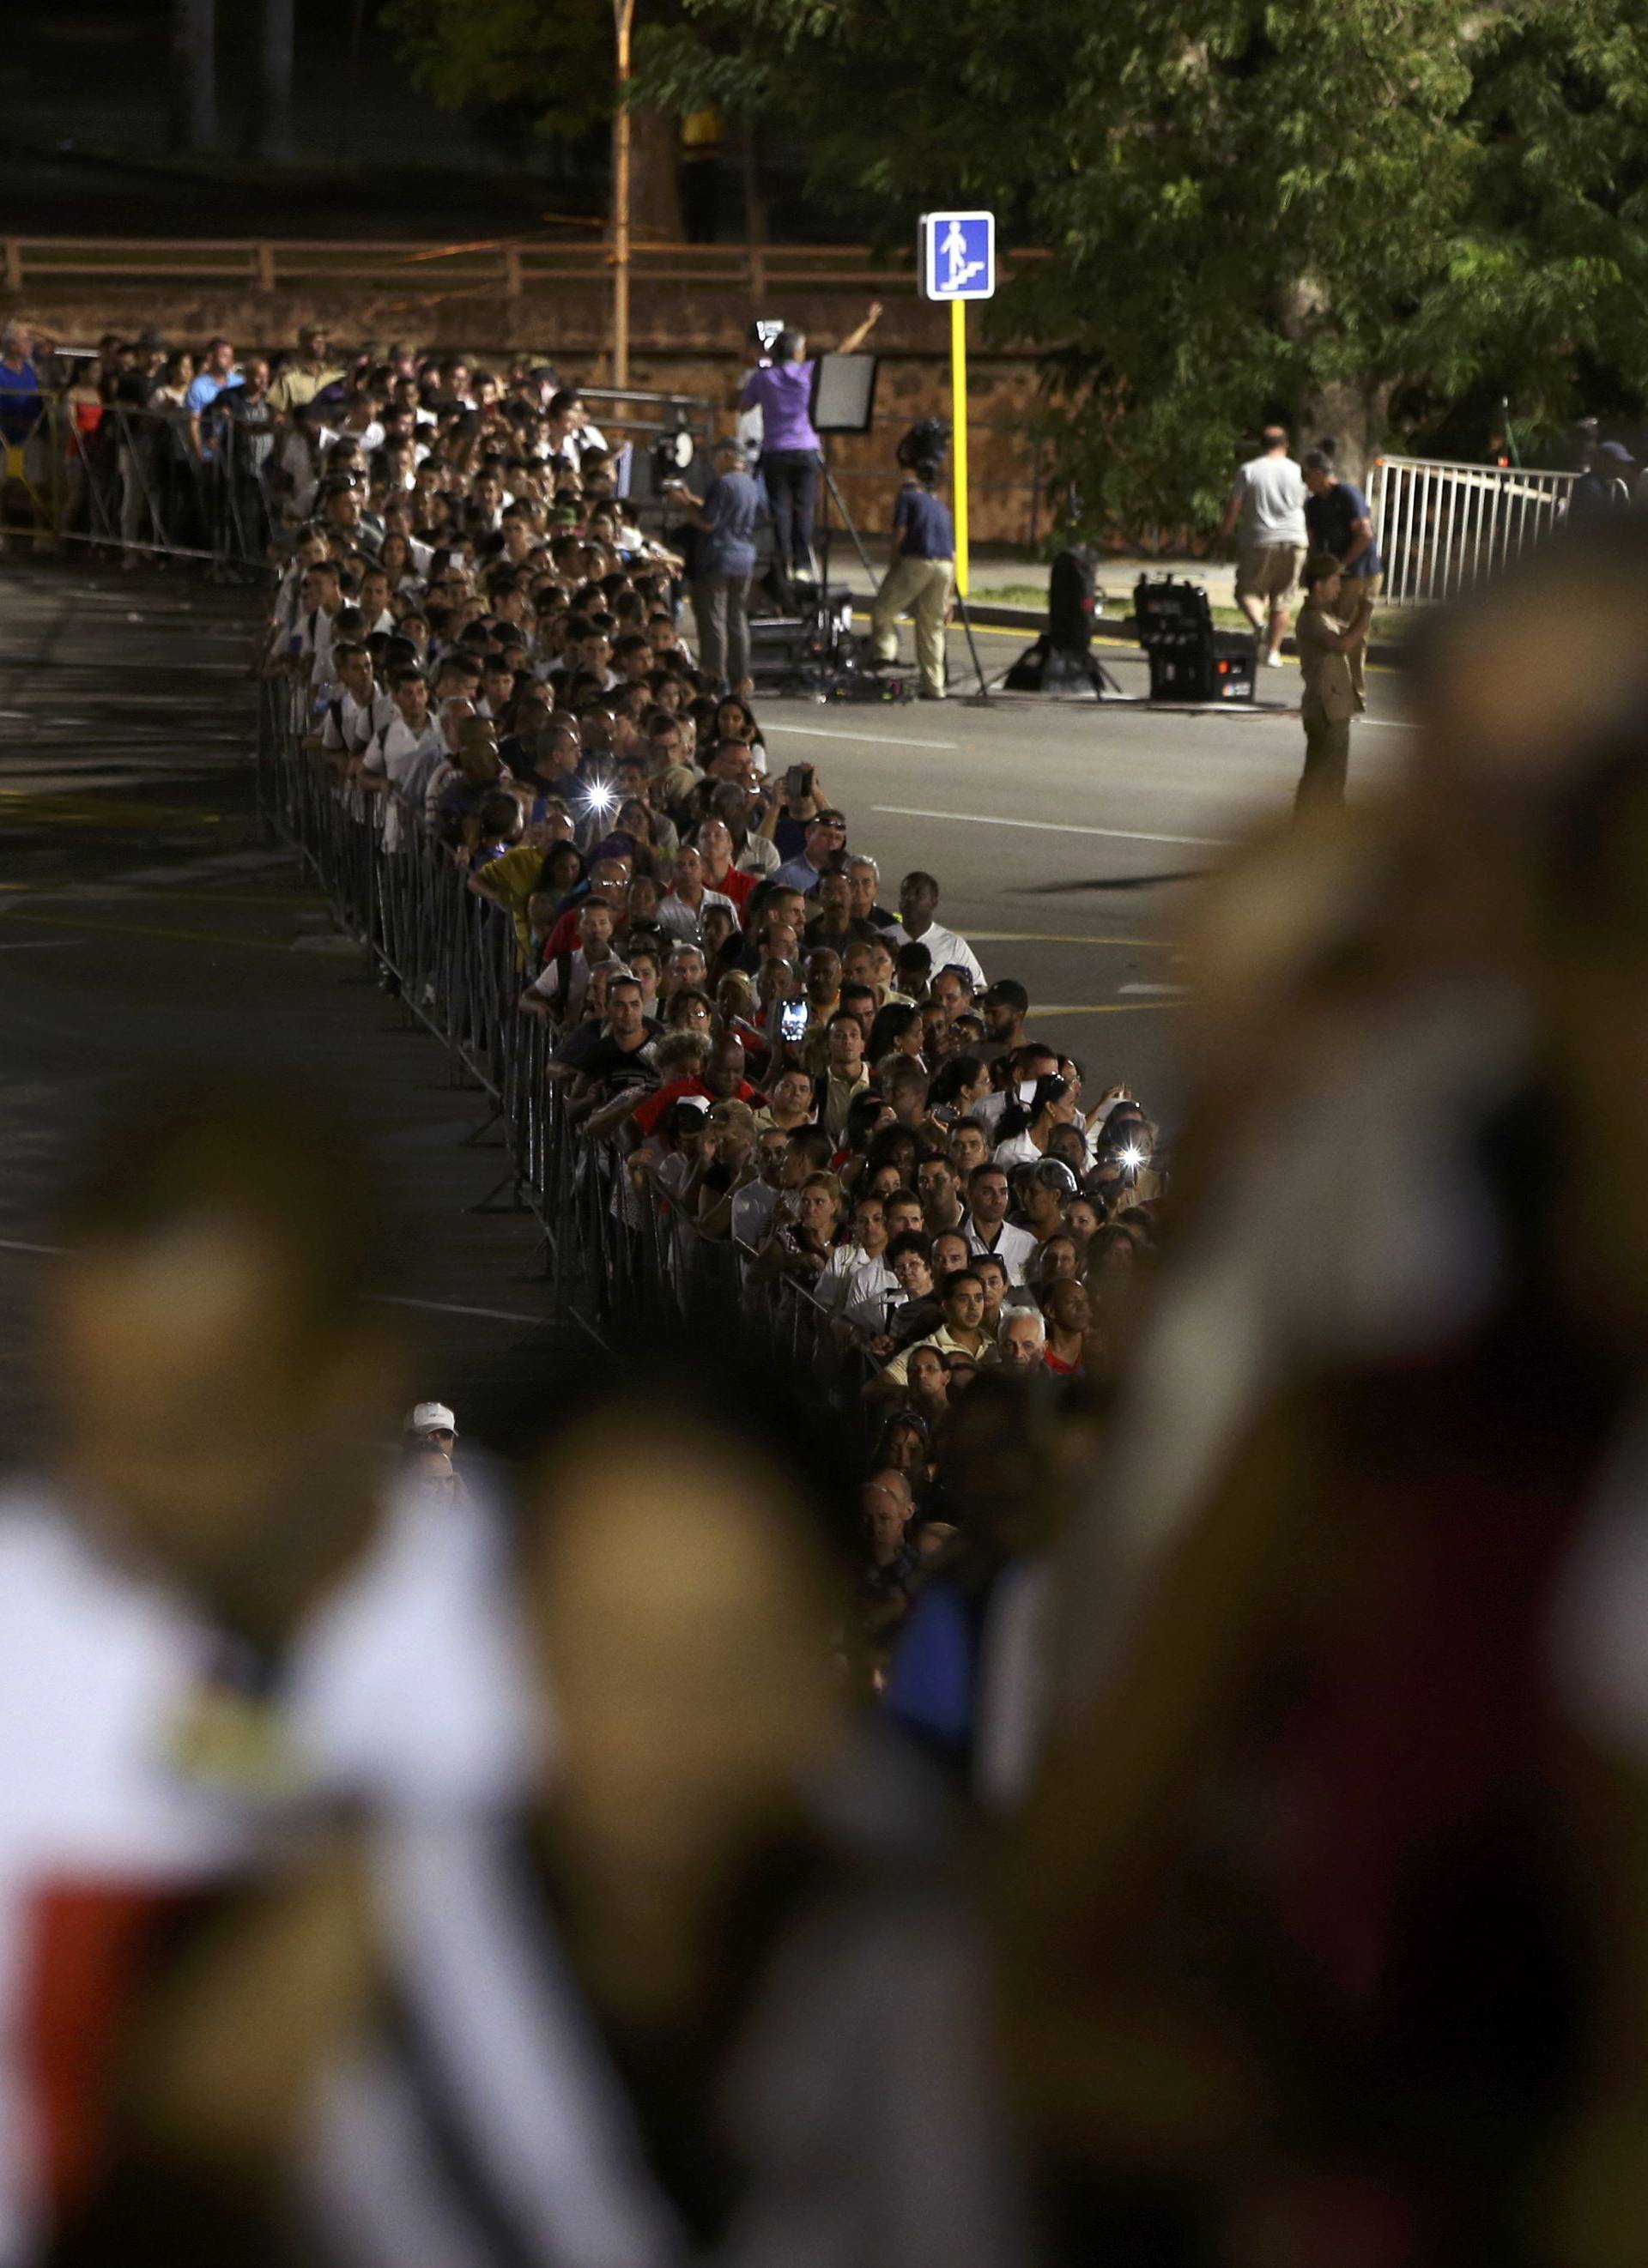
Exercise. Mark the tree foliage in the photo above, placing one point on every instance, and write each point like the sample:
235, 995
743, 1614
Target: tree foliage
553, 62
1351, 216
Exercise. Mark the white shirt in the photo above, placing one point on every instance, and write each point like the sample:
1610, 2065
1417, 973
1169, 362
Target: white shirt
409, 760
752, 1210
403, 1688
945, 946
1272, 490
315, 633
408, 757
840, 1281
351, 723
1014, 1247
677, 919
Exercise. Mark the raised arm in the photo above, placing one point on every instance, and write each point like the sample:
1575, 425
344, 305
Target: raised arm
854, 340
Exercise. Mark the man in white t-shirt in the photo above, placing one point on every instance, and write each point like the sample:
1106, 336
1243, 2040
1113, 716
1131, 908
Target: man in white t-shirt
403, 755
1265, 514
918, 902
357, 712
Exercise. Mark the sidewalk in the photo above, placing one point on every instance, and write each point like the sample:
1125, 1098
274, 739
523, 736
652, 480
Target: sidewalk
1003, 592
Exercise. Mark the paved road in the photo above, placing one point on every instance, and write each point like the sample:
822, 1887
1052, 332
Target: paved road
144, 925
1062, 831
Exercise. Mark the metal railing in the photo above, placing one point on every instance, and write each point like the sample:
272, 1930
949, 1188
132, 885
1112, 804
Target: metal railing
1442, 527
616, 1248
508, 267
134, 480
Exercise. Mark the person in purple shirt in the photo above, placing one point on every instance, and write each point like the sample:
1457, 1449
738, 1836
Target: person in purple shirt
782, 391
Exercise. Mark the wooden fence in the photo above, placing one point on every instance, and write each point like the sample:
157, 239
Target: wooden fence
507, 267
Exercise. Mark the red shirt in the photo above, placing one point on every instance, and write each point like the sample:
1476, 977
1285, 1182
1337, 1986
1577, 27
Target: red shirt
734, 885
647, 1114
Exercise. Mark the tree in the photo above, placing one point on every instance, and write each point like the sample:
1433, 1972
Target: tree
1341, 217
555, 62
193, 122
268, 123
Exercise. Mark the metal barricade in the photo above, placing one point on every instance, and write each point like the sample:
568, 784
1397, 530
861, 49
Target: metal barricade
617, 1257
1441, 527
137, 480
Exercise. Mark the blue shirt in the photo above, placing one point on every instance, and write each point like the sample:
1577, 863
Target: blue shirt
924, 524
202, 392
797, 873
732, 506
1328, 519
19, 401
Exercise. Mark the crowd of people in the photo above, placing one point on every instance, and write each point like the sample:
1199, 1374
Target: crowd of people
385, 1882
791, 1054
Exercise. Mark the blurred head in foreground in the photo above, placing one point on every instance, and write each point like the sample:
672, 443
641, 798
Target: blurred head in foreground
216, 1374
1346, 1632
686, 1597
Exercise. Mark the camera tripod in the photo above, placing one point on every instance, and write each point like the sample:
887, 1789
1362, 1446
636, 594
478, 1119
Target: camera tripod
856, 668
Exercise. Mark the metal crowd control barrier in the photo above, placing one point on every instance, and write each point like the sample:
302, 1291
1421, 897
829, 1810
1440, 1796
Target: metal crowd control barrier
1441, 527
614, 1251
134, 479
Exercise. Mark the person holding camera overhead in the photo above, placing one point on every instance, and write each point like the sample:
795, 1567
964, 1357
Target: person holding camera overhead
919, 577
782, 391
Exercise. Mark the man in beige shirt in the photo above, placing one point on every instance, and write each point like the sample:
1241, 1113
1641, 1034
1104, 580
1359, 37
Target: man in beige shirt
300, 381
1329, 703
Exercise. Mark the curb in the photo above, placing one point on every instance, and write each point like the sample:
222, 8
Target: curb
1121, 629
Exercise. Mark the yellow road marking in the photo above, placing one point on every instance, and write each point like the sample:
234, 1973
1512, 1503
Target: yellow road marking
1059, 937
138, 929
1112, 1008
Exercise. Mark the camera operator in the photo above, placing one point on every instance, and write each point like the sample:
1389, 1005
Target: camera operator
782, 391
920, 578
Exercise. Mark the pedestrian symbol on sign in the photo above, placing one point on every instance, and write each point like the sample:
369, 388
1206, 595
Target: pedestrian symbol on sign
958, 255
959, 269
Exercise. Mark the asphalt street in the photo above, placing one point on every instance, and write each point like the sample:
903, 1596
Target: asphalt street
1069, 835
145, 925
146, 928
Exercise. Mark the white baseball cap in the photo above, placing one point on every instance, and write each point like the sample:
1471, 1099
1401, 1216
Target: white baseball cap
431, 1418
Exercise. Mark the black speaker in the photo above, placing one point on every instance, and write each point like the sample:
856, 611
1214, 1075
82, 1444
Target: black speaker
1189, 659
844, 393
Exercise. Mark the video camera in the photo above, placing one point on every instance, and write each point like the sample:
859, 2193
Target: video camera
928, 436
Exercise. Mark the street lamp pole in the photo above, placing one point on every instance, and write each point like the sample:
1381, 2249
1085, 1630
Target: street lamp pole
623, 18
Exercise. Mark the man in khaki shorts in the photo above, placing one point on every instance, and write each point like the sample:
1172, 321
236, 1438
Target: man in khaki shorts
1265, 514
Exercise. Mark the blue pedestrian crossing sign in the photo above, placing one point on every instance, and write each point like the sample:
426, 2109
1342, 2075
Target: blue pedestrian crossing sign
958, 256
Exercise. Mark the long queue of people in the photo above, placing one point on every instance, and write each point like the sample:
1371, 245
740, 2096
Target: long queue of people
826, 1083
381, 1883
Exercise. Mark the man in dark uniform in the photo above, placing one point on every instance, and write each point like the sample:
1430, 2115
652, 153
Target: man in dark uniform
1326, 647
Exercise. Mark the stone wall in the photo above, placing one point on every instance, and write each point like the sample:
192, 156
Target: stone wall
684, 339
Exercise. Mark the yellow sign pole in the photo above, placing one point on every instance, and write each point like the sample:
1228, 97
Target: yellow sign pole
623, 18
958, 441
